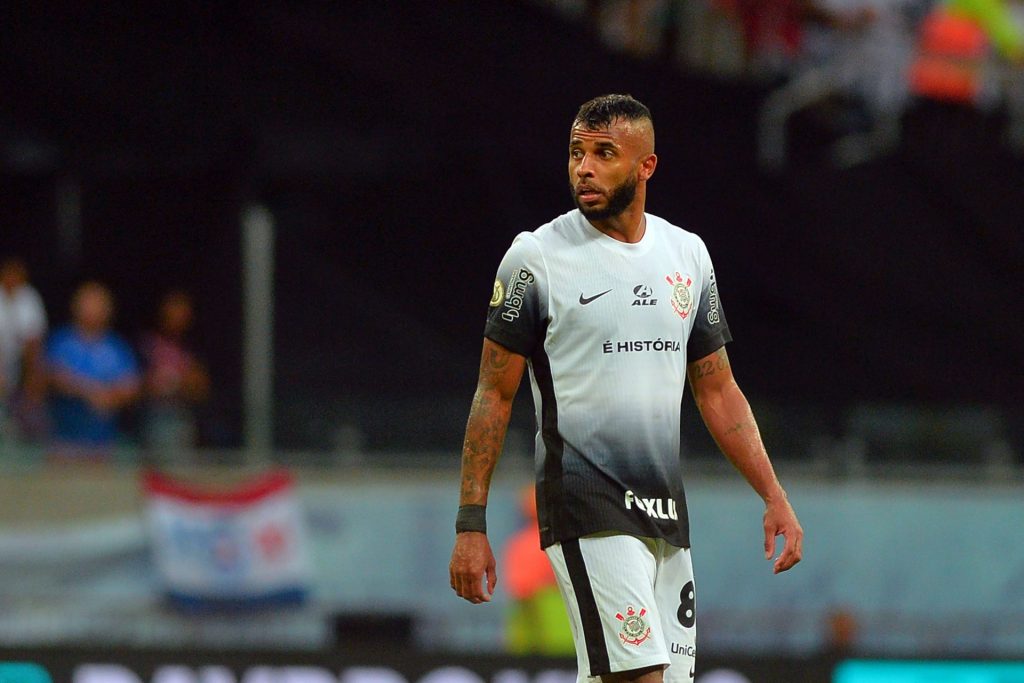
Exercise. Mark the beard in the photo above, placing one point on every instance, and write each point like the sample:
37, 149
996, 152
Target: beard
619, 199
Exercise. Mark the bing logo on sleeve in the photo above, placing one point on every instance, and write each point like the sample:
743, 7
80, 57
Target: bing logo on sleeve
515, 294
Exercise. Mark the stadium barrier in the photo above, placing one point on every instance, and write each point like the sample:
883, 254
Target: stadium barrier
377, 664
380, 664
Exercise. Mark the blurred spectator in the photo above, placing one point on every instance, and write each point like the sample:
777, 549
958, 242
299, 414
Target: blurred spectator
22, 330
538, 623
971, 52
710, 38
849, 67
639, 28
959, 43
840, 633
950, 60
175, 382
93, 376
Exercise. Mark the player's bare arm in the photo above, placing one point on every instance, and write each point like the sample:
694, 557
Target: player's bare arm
472, 559
731, 422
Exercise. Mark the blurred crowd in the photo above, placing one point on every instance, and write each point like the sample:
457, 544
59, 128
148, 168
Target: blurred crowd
82, 390
861, 61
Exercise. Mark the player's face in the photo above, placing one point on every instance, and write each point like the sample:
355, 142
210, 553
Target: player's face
603, 167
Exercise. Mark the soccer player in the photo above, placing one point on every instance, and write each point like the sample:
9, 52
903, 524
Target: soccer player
613, 310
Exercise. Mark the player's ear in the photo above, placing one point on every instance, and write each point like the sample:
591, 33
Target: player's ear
647, 167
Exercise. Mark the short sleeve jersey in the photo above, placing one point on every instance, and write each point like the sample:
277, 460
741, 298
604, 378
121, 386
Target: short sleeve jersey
607, 328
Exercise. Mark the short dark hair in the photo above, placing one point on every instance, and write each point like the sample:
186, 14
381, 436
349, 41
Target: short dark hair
601, 111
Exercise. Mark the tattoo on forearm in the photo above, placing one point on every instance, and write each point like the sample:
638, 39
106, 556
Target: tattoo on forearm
485, 432
704, 368
736, 428
496, 359
709, 366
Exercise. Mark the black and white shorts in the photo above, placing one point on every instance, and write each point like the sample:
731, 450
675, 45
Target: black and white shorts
631, 604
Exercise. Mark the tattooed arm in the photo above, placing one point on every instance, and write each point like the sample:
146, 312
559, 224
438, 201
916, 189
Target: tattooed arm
728, 417
500, 373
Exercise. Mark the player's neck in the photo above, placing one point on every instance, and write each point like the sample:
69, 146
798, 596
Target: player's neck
629, 226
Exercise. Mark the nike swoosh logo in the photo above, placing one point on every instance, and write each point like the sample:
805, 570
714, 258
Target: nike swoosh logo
586, 300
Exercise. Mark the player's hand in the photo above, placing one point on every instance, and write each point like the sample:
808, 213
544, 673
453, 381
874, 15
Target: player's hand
472, 559
779, 518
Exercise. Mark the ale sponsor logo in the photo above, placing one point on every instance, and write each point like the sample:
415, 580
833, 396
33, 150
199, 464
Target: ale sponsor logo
644, 296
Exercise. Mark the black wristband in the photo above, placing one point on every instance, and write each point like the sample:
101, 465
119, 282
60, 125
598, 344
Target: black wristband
471, 518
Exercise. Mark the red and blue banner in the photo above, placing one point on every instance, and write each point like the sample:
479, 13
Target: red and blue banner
236, 548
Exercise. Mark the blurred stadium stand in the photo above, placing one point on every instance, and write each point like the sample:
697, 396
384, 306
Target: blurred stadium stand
396, 190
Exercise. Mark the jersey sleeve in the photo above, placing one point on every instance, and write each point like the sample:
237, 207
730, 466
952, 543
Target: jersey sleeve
518, 308
710, 330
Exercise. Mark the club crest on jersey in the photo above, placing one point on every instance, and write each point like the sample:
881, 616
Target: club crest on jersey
682, 300
634, 629
498, 294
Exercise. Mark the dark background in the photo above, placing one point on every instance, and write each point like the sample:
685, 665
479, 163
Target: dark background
402, 145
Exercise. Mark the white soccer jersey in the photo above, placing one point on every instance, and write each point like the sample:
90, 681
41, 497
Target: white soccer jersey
607, 327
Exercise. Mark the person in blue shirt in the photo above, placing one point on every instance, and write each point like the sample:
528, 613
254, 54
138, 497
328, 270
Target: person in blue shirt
93, 376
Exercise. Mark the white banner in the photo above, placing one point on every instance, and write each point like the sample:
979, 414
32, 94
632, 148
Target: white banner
244, 546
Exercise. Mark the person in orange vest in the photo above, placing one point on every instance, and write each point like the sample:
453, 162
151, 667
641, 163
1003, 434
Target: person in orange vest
955, 43
537, 621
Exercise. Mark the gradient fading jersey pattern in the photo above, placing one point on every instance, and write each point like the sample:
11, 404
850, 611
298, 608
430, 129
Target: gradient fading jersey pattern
608, 328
